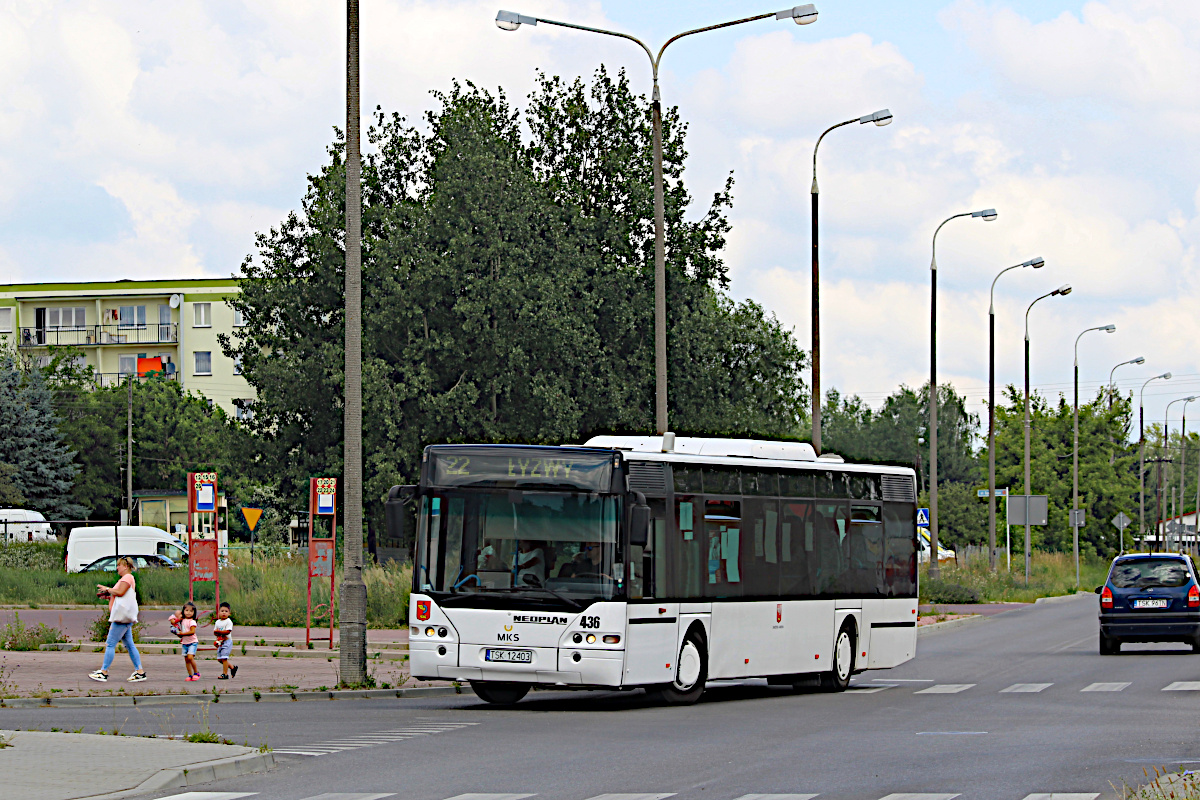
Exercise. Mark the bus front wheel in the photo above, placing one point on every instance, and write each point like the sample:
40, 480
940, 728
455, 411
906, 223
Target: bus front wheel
500, 694
691, 671
837, 679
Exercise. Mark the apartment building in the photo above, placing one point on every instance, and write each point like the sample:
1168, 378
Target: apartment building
131, 327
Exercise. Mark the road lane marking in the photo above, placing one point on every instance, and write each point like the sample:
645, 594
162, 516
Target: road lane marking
210, 795
918, 796
485, 796
904, 680
1183, 686
951, 733
1026, 688
777, 797
1105, 687
646, 796
942, 688
350, 796
869, 690
1063, 796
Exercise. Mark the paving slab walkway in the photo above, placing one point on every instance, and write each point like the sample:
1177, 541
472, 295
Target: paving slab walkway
67, 766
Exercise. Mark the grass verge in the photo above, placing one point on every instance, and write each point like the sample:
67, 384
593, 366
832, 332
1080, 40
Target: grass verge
1050, 575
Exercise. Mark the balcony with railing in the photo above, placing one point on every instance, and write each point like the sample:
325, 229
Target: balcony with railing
92, 335
105, 380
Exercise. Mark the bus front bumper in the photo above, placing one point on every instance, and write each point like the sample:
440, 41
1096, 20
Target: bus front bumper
548, 665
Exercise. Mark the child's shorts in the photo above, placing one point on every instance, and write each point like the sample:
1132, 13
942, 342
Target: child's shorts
190, 649
224, 649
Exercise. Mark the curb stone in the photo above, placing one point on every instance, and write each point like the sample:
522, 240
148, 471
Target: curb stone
194, 774
1062, 598
240, 697
942, 627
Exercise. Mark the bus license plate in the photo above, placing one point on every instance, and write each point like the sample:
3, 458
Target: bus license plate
1151, 603
510, 656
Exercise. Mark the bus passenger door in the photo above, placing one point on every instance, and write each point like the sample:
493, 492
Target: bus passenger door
652, 629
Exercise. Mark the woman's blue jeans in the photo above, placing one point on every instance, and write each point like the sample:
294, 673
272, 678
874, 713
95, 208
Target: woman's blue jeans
121, 632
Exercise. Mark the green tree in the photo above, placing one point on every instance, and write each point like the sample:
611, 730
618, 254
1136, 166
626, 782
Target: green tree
1107, 466
507, 292
32, 445
10, 495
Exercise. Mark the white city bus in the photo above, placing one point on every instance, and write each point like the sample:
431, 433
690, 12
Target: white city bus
624, 564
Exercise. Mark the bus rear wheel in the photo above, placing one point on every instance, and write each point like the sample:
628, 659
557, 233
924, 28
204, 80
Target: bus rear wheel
500, 694
838, 679
691, 672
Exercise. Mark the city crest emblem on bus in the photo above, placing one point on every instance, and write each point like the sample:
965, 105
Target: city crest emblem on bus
779, 612
423, 610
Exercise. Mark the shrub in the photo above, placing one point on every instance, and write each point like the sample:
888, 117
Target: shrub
32, 555
942, 592
19, 636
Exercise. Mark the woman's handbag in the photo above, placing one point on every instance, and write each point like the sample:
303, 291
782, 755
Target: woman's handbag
124, 608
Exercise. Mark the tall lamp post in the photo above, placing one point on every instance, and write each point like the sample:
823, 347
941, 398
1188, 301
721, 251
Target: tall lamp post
1166, 442
1063, 290
1111, 388
1036, 263
511, 21
1075, 521
1183, 467
352, 616
1166, 376
880, 118
987, 215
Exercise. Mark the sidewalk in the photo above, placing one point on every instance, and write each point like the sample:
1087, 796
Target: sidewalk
57, 673
65, 766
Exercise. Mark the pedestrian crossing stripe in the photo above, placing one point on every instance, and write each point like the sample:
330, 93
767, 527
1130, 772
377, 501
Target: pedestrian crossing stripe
614, 796
937, 688
1105, 687
1026, 688
1183, 686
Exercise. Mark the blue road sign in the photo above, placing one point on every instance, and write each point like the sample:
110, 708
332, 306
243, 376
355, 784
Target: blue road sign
923, 517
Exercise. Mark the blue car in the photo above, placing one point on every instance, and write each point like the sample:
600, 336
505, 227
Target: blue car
1150, 597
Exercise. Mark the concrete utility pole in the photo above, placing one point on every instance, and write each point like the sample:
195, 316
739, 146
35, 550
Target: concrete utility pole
129, 452
352, 620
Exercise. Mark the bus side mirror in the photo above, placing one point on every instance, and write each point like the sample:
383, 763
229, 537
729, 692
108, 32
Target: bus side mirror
394, 512
639, 522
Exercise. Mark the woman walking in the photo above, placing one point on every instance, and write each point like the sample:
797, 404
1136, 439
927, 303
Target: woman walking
122, 614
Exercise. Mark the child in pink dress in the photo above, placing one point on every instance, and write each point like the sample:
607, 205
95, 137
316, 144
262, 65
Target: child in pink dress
183, 625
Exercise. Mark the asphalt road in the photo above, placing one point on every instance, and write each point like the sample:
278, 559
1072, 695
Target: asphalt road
1014, 705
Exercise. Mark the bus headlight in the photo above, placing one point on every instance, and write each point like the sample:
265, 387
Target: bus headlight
612, 638
591, 638
429, 631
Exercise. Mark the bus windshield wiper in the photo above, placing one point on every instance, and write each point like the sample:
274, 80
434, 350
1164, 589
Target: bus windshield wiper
547, 589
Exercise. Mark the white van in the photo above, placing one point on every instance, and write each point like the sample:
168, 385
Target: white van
85, 545
22, 525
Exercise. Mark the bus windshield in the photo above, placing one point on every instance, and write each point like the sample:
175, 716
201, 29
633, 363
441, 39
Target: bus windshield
556, 545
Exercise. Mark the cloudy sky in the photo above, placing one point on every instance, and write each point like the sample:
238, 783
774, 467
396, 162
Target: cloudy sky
152, 140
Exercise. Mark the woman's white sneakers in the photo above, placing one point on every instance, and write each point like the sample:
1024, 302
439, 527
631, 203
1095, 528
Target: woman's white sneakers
98, 675
137, 676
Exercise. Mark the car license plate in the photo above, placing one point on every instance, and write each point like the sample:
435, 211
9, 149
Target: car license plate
1154, 602
510, 656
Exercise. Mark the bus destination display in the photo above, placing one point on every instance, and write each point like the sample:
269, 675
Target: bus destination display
510, 467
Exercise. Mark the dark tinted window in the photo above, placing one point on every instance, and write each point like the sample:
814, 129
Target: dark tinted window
796, 484
865, 487
900, 550
1144, 573
723, 546
760, 548
722, 480
686, 555
864, 575
796, 547
831, 484
829, 556
760, 482
687, 480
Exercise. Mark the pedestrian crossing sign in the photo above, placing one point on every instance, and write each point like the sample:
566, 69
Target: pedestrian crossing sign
922, 517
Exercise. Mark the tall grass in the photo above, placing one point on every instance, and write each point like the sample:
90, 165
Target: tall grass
268, 593
1050, 574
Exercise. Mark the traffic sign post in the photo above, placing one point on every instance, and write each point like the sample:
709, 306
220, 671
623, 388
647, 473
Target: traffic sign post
1007, 526
251, 516
1121, 522
322, 502
203, 566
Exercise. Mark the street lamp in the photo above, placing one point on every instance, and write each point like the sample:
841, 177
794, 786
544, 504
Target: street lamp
1111, 388
987, 215
511, 21
1075, 521
1183, 465
1166, 376
1166, 440
1063, 290
1036, 263
880, 118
